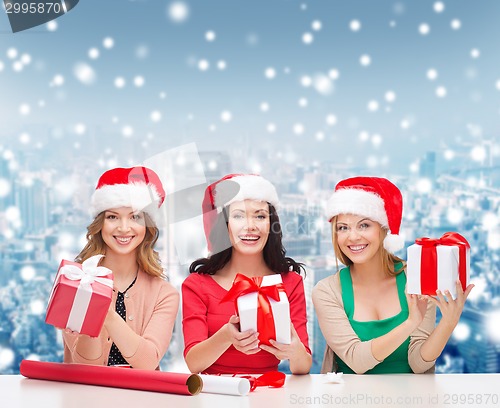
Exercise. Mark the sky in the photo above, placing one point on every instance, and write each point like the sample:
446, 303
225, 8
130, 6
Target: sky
372, 83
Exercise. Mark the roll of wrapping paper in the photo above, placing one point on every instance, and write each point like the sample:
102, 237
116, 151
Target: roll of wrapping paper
145, 380
241, 384
216, 384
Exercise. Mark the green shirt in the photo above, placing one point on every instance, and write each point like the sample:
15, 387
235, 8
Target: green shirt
395, 363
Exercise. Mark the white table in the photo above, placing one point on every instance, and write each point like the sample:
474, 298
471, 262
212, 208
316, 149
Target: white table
405, 390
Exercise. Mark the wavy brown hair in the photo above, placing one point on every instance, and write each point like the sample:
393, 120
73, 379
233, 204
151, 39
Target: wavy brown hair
147, 258
388, 260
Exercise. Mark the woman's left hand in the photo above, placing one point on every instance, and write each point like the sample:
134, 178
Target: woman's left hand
285, 351
450, 308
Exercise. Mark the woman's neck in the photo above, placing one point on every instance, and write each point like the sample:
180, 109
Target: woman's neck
369, 272
124, 268
248, 265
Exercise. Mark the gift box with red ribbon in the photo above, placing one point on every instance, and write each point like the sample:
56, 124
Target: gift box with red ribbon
262, 305
437, 263
80, 296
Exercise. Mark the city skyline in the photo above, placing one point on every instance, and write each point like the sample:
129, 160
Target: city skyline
31, 254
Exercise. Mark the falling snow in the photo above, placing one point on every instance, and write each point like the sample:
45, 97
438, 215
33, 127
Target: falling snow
355, 25
178, 12
365, 60
307, 38
270, 73
210, 36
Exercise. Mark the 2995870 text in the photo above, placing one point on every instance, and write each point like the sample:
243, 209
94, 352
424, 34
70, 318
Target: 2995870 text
33, 8
476, 399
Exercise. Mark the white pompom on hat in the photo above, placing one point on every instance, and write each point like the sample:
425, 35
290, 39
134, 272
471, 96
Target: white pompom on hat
374, 197
137, 187
232, 188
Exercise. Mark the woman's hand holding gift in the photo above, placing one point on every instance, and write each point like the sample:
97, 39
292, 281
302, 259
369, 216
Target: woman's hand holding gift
247, 342
450, 308
285, 351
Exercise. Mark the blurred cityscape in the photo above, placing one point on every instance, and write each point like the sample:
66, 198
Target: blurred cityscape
43, 219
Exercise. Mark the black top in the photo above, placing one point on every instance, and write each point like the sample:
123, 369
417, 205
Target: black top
115, 356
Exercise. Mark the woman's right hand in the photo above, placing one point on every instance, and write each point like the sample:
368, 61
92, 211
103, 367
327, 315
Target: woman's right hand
246, 342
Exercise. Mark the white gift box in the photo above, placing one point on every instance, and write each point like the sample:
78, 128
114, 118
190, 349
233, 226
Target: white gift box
447, 269
247, 310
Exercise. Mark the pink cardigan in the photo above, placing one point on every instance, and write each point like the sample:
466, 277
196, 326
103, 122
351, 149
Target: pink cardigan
151, 305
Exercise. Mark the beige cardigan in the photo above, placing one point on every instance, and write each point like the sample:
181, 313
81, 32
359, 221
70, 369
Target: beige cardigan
343, 341
151, 305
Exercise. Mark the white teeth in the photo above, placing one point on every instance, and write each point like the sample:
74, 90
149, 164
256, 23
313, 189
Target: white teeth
357, 247
245, 238
124, 240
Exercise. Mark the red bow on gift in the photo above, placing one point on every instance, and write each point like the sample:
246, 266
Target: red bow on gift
273, 379
243, 285
429, 261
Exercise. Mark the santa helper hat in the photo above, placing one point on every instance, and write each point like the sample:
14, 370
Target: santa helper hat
373, 197
232, 188
137, 187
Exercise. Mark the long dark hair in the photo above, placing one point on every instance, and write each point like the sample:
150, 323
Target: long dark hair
274, 253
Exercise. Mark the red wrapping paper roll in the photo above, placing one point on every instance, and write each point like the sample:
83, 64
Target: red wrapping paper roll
145, 380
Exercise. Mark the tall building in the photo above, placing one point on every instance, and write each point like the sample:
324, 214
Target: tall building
481, 353
428, 166
317, 340
33, 203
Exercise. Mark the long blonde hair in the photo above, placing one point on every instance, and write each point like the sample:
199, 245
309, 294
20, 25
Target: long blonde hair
147, 258
388, 260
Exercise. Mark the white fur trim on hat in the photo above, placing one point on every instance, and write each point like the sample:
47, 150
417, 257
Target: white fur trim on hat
251, 187
393, 243
358, 202
139, 196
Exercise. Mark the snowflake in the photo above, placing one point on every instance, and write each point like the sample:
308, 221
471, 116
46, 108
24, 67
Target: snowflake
84, 73
424, 29
307, 38
178, 12
355, 25
108, 43
210, 36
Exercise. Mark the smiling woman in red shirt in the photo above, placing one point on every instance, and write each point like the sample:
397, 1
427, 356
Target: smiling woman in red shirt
244, 237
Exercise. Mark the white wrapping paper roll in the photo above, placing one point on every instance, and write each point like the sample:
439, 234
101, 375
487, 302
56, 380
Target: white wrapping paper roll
217, 384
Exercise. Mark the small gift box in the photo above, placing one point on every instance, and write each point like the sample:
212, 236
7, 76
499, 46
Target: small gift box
434, 264
263, 306
80, 296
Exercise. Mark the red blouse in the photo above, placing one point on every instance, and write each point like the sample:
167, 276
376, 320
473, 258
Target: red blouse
203, 315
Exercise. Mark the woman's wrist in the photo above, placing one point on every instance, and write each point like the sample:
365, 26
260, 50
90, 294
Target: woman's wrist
447, 325
227, 338
110, 318
411, 324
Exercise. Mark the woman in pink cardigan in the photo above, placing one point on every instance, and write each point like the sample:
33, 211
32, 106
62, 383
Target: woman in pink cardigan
139, 323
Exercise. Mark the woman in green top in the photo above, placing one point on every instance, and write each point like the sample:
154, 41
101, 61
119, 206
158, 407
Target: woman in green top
370, 325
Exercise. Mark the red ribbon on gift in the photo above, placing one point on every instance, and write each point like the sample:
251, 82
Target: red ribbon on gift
272, 379
429, 259
243, 285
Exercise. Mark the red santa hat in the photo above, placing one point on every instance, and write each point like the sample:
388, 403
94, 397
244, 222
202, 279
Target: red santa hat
374, 197
232, 188
137, 187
